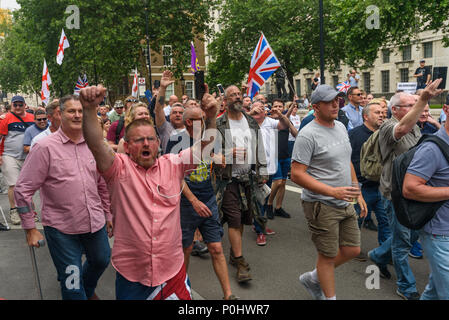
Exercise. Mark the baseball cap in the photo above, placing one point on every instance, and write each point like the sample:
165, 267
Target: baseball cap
422, 60
17, 99
324, 92
118, 103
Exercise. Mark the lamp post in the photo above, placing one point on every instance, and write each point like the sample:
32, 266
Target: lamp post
148, 48
322, 43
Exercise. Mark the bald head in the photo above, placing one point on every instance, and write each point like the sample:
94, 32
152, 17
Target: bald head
173, 99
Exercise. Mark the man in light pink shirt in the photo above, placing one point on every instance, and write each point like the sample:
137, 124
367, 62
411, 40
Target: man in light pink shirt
145, 202
75, 204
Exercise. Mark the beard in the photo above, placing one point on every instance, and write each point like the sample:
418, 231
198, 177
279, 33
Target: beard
237, 106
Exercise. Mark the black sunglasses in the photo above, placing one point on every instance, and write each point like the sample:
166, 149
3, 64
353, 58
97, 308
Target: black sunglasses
18, 105
131, 100
119, 107
42, 119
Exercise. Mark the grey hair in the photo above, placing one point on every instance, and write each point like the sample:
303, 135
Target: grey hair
227, 89
366, 109
396, 100
64, 99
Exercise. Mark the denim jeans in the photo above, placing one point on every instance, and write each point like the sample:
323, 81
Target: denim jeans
397, 246
437, 251
374, 202
78, 281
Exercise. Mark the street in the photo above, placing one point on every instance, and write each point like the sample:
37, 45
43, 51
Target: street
275, 268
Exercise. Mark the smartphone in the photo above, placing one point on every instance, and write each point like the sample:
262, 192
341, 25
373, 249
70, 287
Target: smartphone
220, 89
157, 84
199, 85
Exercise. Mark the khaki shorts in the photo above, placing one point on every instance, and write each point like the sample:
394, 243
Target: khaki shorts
331, 227
11, 169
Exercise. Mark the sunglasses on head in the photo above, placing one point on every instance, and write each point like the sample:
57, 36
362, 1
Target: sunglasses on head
131, 100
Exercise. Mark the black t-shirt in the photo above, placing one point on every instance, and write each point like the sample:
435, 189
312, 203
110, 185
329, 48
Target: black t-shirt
283, 144
422, 79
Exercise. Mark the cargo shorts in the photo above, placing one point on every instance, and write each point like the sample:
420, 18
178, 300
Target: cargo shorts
331, 227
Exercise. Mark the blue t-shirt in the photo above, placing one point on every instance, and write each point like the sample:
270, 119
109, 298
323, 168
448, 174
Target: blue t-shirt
30, 133
436, 173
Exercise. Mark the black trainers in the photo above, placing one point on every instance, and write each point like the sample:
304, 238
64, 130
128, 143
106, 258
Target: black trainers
370, 225
199, 248
408, 296
281, 213
270, 213
3, 227
384, 273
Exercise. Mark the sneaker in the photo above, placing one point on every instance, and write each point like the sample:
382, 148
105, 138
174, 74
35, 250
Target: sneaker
232, 297
311, 286
270, 213
199, 248
233, 261
3, 227
384, 273
14, 216
243, 274
261, 239
415, 252
370, 225
281, 213
361, 257
269, 232
408, 296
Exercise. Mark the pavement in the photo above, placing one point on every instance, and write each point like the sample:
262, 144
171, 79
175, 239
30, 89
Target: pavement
275, 268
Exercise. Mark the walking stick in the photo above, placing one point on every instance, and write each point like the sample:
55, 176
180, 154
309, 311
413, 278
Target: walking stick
35, 269
6, 222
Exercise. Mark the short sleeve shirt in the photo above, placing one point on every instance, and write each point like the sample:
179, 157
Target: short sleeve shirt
436, 173
327, 154
390, 148
14, 131
30, 133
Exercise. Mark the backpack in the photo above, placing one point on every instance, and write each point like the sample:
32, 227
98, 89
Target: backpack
120, 125
411, 213
371, 158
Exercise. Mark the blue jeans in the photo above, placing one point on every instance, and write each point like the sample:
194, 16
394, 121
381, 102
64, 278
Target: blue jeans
437, 251
374, 202
78, 281
397, 246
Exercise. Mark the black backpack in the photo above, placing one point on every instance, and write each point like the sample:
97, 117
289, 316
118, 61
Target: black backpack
411, 213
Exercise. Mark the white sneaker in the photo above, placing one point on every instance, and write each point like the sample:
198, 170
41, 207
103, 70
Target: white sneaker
311, 286
14, 215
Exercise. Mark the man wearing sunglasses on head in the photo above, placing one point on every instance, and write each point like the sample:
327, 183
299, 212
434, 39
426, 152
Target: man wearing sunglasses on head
353, 109
12, 156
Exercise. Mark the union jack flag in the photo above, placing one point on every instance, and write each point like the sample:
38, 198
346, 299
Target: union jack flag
343, 87
80, 84
263, 64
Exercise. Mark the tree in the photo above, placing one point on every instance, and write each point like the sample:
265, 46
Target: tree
107, 45
292, 29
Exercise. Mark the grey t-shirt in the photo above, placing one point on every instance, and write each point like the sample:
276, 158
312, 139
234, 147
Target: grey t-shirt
166, 131
327, 153
390, 148
436, 173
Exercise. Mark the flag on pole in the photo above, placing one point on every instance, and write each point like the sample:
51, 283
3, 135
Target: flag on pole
263, 64
46, 82
63, 44
135, 85
194, 64
343, 87
80, 84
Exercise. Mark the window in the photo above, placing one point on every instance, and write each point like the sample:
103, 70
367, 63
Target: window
386, 55
167, 55
367, 82
298, 87
404, 75
169, 91
190, 91
385, 81
428, 49
309, 85
407, 53
335, 81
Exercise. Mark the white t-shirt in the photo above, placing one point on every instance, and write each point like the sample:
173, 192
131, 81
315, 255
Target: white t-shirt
241, 138
167, 110
296, 120
268, 129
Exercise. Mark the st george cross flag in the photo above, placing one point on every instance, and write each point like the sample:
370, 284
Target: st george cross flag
263, 64
46, 82
135, 85
194, 64
63, 44
80, 84
343, 87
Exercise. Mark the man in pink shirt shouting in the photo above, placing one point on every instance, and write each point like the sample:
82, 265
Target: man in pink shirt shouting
145, 202
75, 204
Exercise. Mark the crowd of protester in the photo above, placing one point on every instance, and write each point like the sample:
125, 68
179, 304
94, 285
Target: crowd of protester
164, 178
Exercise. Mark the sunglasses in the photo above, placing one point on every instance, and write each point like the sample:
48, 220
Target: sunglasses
356, 94
131, 100
42, 119
18, 105
119, 107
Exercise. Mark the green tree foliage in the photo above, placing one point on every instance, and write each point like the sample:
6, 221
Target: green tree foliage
292, 29
108, 43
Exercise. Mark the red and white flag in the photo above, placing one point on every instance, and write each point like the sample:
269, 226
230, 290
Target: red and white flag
63, 44
46, 82
135, 85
